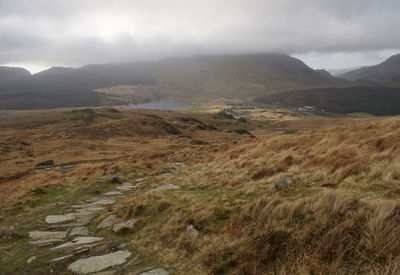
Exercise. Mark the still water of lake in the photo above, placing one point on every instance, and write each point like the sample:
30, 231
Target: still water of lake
162, 105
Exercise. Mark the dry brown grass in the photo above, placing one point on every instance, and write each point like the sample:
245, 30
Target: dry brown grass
247, 227
340, 216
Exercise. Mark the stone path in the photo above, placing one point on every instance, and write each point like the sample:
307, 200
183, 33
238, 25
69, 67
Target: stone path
84, 253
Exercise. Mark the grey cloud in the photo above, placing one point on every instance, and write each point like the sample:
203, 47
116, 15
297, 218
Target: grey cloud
97, 31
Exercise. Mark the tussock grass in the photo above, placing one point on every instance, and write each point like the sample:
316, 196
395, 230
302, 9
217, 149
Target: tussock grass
340, 216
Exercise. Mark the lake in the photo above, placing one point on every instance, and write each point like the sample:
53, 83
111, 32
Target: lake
162, 105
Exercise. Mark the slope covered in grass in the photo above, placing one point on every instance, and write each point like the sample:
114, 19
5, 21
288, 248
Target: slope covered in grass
340, 215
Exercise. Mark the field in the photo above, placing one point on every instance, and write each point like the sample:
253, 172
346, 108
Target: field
340, 214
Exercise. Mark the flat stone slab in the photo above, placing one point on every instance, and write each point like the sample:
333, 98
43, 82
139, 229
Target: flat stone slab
78, 241
126, 187
164, 187
99, 263
45, 242
108, 222
39, 235
113, 193
61, 258
105, 201
51, 219
158, 271
124, 225
79, 231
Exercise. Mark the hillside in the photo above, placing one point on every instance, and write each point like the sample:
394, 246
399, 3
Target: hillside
395, 82
373, 100
381, 73
12, 73
199, 193
239, 76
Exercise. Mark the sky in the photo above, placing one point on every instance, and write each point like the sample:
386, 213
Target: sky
330, 34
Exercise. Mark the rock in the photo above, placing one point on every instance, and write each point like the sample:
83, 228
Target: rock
164, 187
108, 222
158, 271
45, 163
46, 242
283, 182
61, 258
105, 201
113, 177
192, 231
119, 227
40, 235
23, 143
113, 193
166, 175
140, 180
31, 259
79, 231
78, 241
99, 263
126, 187
6, 232
177, 156
51, 219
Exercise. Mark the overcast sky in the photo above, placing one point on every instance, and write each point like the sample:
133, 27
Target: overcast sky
323, 33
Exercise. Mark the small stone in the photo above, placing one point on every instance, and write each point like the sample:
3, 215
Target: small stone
31, 259
99, 263
39, 235
119, 227
166, 175
177, 156
283, 182
59, 218
158, 271
108, 222
61, 258
164, 187
79, 231
140, 180
113, 178
6, 232
192, 231
45, 163
113, 193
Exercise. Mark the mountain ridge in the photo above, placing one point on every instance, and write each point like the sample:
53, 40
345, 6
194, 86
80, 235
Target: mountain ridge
381, 73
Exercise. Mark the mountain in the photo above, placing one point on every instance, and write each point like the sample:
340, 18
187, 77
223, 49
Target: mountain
373, 100
239, 76
12, 73
382, 73
337, 72
229, 76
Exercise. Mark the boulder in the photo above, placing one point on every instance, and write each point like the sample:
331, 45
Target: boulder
283, 182
119, 227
